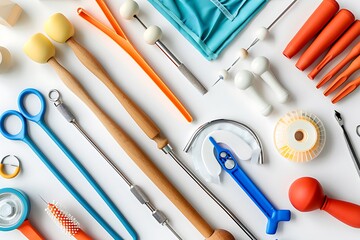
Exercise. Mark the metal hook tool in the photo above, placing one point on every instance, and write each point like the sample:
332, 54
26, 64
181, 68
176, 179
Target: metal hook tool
55, 96
354, 157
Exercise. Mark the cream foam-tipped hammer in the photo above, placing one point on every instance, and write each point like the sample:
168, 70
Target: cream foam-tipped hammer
39, 48
59, 28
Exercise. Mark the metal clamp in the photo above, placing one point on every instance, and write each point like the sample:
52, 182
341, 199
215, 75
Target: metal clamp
16, 172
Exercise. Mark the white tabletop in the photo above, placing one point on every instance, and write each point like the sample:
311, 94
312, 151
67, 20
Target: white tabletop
333, 168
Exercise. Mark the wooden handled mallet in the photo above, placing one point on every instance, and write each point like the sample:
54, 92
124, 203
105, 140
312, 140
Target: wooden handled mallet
41, 50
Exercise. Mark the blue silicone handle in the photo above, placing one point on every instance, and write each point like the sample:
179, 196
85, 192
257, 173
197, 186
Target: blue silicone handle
70, 188
39, 119
273, 215
23, 136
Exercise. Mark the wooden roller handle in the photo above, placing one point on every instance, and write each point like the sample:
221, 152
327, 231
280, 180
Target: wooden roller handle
140, 117
135, 153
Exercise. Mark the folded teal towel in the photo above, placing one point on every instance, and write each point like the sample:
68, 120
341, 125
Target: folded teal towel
210, 25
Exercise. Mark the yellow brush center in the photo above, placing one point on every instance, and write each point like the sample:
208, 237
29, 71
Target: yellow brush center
39, 48
59, 28
299, 136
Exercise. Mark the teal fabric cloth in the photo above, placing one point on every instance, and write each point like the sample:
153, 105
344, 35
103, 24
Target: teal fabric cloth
210, 25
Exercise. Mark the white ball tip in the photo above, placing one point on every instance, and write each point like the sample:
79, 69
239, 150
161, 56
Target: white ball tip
260, 65
261, 33
129, 9
223, 74
152, 34
243, 79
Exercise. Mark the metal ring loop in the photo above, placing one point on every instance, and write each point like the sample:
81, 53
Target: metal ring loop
55, 97
358, 130
16, 171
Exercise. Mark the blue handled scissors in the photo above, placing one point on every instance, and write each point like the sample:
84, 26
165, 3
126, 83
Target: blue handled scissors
23, 135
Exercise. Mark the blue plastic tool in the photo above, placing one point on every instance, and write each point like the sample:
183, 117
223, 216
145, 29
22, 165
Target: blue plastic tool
23, 136
230, 165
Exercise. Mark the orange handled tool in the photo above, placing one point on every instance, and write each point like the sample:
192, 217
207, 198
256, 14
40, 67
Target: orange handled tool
349, 36
353, 53
29, 231
349, 88
320, 17
66, 222
333, 30
354, 66
120, 38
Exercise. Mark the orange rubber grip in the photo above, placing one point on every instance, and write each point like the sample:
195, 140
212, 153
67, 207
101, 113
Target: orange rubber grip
29, 231
81, 235
335, 28
349, 88
354, 66
346, 212
352, 54
320, 17
349, 36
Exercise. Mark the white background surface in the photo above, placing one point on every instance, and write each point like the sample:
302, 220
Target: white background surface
333, 168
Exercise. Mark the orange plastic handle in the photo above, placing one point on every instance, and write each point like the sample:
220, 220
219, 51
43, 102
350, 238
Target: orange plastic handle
126, 45
352, 54
354, 66
349, 88
29, 231
346, 212
349, 36
320, 17
81, 235
333, 30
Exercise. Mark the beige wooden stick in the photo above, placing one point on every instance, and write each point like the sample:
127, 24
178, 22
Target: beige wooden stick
41, 50
139, 116
138, 156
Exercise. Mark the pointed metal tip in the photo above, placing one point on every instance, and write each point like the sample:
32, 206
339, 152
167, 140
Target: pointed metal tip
339, 118
172, 230
43, 199
220, 78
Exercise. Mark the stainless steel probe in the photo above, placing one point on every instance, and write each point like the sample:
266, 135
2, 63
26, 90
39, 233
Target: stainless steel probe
55, 97
260, 35
152, 36
354, 157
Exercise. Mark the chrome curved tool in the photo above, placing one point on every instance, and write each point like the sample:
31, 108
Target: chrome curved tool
235, 123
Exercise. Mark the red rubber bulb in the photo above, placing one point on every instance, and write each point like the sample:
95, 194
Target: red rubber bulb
306, 194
